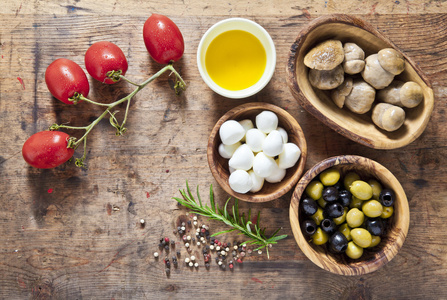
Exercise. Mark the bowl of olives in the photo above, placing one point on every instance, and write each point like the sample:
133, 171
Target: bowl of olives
356, 81
349, 215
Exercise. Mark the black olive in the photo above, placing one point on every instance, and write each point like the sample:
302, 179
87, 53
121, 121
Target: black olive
375, 226
339, 185
333, 210
328, 226
330, 194
344, 197
338, 242
309, 227
309, 206
387, 197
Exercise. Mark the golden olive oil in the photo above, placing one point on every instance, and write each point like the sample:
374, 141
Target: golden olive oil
235, 60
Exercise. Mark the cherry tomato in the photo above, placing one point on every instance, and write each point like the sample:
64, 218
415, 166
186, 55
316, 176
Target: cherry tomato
65, 77
163, 39
47, 149
103, 57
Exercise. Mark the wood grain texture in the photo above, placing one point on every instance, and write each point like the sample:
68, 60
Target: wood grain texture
83, 241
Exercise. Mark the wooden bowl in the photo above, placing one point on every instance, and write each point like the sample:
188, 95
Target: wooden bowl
358, 128
374, 258
219, 166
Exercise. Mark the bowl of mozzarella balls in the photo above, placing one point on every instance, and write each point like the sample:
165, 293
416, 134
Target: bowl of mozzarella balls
257, 152
349, 215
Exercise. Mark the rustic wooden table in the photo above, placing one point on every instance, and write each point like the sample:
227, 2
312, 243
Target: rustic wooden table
69, 233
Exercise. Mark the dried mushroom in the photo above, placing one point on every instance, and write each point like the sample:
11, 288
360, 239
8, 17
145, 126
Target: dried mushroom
354, 61
391, 60
374, 74
339, 94
404, 94
325, 56
361, 97
388, 117
327, 80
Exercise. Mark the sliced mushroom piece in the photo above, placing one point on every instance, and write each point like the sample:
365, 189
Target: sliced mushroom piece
388, 117
327, 80
374, 74
339, 94
325, 56
354, 61
404, 94
361, 97
391, 60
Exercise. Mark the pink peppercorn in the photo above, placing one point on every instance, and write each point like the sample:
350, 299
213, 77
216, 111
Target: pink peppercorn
231, 266
166, 239
239, 260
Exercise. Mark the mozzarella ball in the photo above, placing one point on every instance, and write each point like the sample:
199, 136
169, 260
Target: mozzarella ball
289, 156
231, 132
277, 175
266, 121
263, 165
273, 144
226, 151
254, 139
247, 124
242, 158
240, 181
258, 182
285, 136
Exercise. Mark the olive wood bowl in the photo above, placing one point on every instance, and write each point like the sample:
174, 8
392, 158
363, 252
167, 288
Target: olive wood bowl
219, 165
374, 258
358, 128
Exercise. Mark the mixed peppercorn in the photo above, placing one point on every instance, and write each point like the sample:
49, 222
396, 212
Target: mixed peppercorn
226, 254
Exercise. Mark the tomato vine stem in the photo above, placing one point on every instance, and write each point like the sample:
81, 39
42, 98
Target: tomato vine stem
179, 86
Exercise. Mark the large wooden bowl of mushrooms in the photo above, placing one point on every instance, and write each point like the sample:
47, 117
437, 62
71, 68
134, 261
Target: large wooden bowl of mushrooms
356, 81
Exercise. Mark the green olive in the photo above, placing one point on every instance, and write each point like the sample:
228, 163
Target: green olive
356, 203
375, 240
330, 176
354, 251
318, 216
320, 237
342, 218
322, 202
344, 228
355, 217
315, 190
387, 212
361, 190
372, 208
361, 237
376, 188
349, 179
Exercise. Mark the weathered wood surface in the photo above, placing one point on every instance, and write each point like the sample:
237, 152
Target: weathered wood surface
61, 233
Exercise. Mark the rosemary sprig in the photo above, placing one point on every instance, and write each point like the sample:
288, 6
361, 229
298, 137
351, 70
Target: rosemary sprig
241, 223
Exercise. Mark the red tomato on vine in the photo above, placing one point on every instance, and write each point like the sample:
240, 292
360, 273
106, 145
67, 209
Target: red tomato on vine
64, 78
104, 57
163, 39
47, 149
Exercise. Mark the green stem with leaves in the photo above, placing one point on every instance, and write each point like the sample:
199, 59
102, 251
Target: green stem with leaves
74, 143
255, 235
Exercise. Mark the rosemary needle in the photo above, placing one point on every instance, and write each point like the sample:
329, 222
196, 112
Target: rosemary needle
254, 233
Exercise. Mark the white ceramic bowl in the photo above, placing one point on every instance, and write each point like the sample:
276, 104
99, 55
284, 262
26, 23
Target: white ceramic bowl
237, 24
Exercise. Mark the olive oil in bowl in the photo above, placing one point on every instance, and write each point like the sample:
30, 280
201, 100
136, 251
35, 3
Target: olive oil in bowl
235, 60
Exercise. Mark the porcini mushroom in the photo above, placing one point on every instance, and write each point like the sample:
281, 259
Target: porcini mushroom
374, 74
391, 60
388, 117
327, 79
404, 94
361, 97
339, 94
325, 56
354, 61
